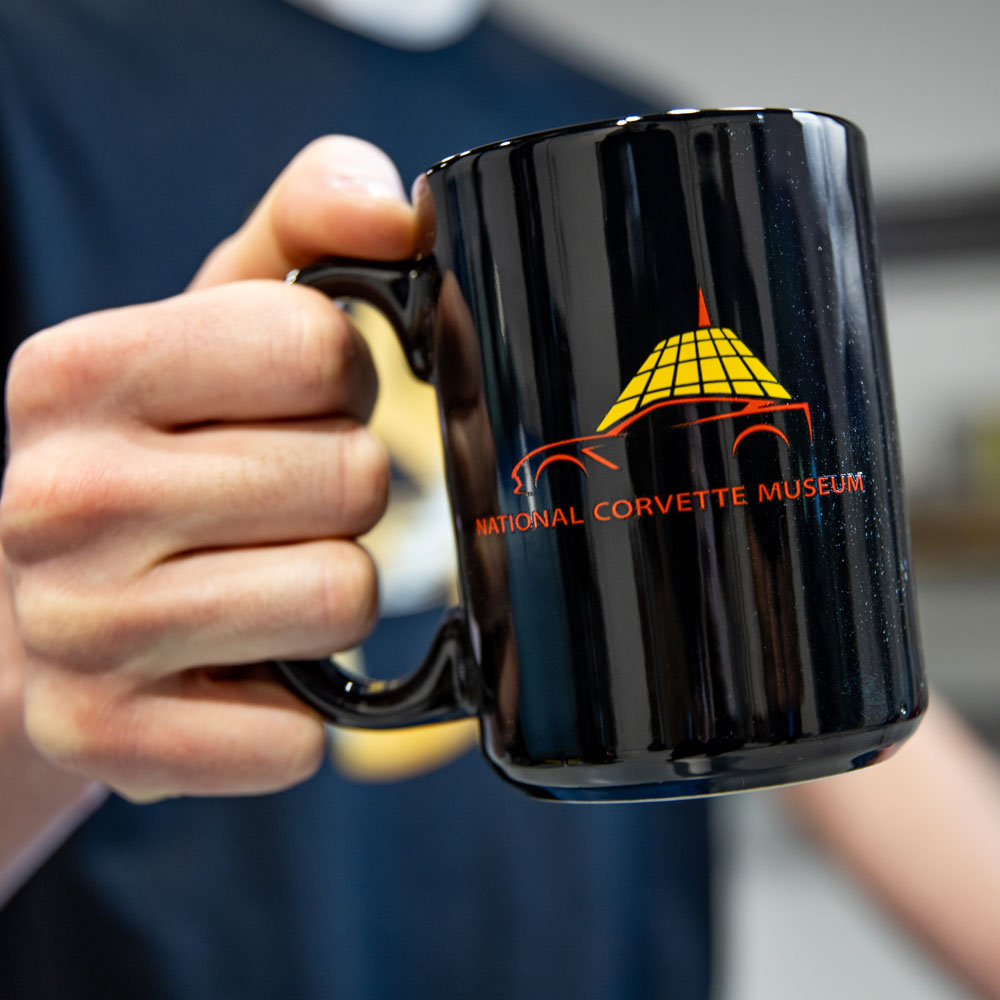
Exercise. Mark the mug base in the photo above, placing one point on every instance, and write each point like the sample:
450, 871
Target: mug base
649, 777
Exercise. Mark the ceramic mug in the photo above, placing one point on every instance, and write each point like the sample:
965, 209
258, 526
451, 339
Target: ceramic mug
671, 455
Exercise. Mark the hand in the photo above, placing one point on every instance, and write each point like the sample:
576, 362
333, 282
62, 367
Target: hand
185, 482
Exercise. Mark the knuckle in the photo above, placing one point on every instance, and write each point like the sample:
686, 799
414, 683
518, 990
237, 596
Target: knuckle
29, 509
88, 730
28, 380
60, 722
54, 370
51, 731
57, 626
16, 513
35, 614
89, 623
53, 502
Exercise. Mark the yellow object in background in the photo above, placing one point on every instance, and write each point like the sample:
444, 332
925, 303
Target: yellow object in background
414, 551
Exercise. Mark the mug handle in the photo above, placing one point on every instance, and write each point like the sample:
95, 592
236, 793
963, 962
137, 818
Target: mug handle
440, 688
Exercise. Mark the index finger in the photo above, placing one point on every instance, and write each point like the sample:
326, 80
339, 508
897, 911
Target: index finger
249, 351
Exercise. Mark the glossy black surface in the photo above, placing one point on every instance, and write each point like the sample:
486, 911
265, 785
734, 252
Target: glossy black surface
757, 627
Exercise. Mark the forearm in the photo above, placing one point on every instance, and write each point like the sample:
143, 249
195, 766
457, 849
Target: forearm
41, 803
922, 831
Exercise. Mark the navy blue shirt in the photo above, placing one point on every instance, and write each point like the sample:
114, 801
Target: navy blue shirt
133, 136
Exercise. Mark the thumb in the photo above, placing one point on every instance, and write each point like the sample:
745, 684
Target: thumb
339, 196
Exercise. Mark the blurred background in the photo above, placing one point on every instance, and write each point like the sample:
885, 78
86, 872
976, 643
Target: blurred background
921, 79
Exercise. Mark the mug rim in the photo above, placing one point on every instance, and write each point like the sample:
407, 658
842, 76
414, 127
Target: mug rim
634, 122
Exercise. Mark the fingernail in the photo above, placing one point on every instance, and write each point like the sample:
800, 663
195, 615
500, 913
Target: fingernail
357, 167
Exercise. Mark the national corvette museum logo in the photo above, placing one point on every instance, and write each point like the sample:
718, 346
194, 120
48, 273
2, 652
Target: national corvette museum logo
702, 376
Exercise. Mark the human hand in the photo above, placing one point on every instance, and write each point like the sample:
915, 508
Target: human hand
185, 482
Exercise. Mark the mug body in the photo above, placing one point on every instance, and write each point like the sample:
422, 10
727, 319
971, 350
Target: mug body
671, 448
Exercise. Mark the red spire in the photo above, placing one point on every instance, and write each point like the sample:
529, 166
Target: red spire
703, 317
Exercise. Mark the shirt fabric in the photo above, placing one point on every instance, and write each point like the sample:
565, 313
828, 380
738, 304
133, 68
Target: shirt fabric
133, 136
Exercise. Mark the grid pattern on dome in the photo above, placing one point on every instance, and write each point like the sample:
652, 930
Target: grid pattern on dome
709, 361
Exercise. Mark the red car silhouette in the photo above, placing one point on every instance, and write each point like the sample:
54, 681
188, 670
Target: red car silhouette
580, 451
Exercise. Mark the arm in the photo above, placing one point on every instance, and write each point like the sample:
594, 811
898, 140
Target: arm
186, 480
922, 831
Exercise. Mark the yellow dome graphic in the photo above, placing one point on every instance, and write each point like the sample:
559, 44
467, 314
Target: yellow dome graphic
709, 361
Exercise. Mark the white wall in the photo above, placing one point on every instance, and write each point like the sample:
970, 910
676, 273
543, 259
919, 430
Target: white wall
921, 77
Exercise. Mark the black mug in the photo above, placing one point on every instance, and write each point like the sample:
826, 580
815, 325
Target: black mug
671, 453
